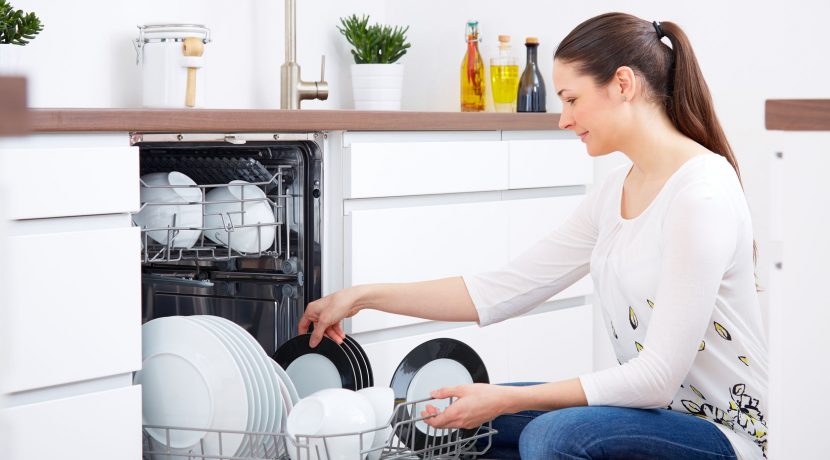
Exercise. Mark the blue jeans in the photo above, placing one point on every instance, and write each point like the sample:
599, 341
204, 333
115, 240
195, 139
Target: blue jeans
602, 432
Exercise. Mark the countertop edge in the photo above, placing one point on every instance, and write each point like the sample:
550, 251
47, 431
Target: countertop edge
797, 114
259, 120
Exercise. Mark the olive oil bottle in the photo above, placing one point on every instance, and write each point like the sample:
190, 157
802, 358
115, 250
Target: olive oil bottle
472, 73
504, 77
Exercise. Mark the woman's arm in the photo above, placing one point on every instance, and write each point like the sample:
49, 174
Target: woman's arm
480, 403
439, 300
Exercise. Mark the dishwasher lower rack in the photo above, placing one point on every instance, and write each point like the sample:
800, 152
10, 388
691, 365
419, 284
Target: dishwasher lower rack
436, 445
234, 221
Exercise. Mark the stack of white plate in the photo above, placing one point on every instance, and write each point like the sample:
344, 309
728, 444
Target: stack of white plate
206, 372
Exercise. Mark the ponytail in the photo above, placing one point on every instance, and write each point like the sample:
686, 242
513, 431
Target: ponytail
602, 44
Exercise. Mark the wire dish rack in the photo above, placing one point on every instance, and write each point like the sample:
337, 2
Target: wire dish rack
271, 238
399, 435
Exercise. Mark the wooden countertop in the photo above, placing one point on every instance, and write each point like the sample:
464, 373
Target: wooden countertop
13, 114
798, 114
238, 120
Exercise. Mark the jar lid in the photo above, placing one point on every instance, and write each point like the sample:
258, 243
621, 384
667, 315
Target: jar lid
155, 32
531, 41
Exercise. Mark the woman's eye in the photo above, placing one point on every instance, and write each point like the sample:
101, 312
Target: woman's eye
570, 100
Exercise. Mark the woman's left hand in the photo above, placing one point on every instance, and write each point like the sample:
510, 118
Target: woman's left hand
475, 404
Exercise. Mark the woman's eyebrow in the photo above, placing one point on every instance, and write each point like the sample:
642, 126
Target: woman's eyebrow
559, 93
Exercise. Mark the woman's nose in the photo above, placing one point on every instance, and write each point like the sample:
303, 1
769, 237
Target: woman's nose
565, 120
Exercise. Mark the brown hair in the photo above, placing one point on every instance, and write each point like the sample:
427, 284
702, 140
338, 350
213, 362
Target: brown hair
602, 44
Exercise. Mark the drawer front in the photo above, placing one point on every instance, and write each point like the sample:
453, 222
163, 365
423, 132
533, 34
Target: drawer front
96, 426
533, 219
56, 182
488, 342
74, 307
421, 243
557, 345
419, 168
549, 163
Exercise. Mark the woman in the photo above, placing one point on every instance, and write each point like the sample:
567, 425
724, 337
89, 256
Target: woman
668, 242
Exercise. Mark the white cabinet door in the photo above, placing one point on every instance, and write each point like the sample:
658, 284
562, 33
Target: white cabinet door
419, 168
96, 426
420, 243
74, 307
549, 163
533, 219
58, 182
550, 346
488, 343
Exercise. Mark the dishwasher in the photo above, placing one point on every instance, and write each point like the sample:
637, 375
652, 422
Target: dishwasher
264, 290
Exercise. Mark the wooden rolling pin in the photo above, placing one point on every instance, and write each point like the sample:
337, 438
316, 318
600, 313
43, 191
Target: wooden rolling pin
192, 47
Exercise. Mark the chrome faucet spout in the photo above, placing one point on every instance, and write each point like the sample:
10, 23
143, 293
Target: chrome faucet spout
293, 89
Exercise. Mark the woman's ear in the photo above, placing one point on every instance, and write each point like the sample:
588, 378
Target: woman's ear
625, 83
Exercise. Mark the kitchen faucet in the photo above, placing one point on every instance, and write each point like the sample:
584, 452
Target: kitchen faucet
292, 88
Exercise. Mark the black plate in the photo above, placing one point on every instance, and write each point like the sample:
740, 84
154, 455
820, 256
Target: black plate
298, 346
410, 365
360, 380
365, 366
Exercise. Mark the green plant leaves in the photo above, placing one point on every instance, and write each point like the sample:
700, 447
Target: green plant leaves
17, 27
375, 44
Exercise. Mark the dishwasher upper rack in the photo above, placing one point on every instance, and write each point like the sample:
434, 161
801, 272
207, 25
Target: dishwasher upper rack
439, 445
204, 249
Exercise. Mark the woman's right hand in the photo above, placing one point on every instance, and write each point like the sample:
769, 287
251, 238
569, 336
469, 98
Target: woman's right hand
326, 313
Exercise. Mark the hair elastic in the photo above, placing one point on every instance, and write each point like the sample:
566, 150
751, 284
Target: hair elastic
660, 33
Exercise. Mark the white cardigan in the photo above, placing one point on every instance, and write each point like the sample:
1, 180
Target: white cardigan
676, 286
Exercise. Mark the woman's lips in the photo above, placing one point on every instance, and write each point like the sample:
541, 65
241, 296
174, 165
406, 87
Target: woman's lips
583, 136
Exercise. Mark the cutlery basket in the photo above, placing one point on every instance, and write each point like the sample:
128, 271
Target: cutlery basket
436, 445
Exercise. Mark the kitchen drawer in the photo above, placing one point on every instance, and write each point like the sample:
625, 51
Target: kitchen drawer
488, 342
57, 182
532, 219
73, 307
550, 346
549, 163
95, 426
378, 169
420, 243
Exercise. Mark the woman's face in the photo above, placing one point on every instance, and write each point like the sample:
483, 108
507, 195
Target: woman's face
592, 112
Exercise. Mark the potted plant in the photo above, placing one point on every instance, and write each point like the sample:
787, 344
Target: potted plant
377, 77
16, 28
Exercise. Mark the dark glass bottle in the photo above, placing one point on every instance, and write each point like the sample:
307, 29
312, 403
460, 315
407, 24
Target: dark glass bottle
532, 95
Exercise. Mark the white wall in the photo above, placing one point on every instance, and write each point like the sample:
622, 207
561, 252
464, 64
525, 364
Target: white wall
85, 58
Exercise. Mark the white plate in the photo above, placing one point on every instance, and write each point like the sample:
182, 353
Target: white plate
311, 373
255, 398
289, 385
266, 376
190, 379
436, 374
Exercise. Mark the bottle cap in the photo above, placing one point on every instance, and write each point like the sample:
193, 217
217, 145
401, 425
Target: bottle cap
531, 41
504, 38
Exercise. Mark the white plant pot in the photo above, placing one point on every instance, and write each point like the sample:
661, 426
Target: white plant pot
10, 60
377, 86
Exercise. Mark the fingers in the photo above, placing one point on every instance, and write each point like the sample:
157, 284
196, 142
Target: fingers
447, 392
305, 322
338, 329
332, 334
317, 335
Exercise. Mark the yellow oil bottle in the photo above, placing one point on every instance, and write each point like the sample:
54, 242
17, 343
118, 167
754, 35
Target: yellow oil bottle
473, 83
504, 76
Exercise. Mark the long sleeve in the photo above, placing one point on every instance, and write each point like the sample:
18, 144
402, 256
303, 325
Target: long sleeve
546, 268
699, 238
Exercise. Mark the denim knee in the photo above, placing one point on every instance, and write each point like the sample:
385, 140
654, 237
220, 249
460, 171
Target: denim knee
555, 435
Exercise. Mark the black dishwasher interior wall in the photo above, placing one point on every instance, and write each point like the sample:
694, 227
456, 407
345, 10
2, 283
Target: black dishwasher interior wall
265, 291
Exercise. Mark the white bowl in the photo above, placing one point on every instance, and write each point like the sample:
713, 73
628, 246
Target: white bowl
331, 412
382, 400
171, 210
224, 207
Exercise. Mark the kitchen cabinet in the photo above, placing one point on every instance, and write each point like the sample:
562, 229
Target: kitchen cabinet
416, 209
71, 297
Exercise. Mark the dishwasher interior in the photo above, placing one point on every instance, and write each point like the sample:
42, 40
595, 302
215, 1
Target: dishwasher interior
210, 250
